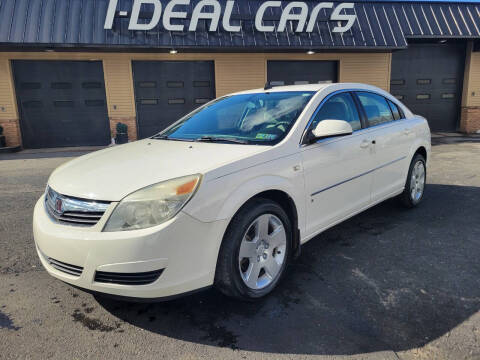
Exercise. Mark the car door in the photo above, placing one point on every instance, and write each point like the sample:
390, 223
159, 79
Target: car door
336, 170
391, 144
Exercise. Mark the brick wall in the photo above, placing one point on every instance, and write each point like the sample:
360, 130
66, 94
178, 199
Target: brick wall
470, 120
11, 132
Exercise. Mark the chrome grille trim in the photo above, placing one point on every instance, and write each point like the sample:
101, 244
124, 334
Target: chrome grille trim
74, 211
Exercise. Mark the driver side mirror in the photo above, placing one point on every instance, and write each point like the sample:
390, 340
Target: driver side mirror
330, 128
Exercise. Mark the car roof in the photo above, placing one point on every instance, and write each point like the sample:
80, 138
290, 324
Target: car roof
314, 88
328, 88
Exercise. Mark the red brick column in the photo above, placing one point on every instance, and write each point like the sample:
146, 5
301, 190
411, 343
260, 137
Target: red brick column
470, 120
11, 130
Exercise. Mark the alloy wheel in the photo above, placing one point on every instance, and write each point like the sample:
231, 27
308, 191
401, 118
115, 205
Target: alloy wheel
417, 181
262, 251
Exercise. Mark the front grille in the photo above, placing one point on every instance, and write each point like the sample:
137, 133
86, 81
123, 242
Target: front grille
143, 278
64, 267
74, 211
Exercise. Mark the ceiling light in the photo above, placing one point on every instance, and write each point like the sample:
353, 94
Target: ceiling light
310, 52
173, 51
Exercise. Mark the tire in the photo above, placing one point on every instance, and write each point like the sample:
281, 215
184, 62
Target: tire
238, 255
410, 197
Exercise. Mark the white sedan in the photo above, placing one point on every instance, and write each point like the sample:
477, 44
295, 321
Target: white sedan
227, 195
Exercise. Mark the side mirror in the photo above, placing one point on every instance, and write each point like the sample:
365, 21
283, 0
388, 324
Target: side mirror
331, 128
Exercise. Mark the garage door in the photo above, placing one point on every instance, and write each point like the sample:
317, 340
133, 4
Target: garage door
301, 72
61, 103
167, 90
429, 80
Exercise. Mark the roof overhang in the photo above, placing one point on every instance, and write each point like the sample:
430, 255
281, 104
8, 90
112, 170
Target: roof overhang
237, 25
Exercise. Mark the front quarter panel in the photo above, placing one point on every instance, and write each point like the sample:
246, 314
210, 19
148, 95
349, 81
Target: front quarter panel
221, 197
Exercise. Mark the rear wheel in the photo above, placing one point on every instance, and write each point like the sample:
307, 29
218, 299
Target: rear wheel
255, 251
415, 185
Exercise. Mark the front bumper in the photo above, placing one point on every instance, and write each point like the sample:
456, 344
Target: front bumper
184, 247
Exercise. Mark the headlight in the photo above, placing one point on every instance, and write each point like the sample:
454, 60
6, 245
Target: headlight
152, 205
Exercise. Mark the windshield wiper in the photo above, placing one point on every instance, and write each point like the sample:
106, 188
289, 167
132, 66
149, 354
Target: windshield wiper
160, 137
221, 139
165, 137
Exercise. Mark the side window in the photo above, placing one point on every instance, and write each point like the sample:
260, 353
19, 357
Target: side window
376, 108
339, 107
397, 114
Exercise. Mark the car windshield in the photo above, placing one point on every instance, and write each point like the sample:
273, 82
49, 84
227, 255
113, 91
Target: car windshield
263, 118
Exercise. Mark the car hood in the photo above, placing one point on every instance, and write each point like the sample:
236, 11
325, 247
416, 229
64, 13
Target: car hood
113, 173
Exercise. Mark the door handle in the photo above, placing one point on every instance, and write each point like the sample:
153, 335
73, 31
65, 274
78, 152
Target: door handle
365, 144
407, 131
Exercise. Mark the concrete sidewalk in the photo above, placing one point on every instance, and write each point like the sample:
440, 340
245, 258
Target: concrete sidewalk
453, 138
50, 153
437, 138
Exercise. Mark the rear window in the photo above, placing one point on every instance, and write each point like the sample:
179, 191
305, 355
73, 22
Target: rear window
376, 108
397, 114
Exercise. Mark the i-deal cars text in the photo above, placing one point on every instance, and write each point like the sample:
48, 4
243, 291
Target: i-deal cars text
297, 11
227, 195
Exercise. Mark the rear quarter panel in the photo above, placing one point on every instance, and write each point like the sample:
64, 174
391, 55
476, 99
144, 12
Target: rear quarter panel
421, 136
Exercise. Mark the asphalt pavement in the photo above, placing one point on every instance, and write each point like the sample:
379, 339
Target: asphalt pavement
389, 283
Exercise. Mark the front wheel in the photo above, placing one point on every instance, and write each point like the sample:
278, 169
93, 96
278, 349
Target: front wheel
255, 251
415, 185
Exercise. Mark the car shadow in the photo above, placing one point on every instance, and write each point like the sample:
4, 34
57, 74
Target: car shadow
387, 279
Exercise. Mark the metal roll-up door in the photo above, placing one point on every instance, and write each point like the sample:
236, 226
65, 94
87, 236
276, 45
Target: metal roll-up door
165, 91
428, 78
300, 72
61, 103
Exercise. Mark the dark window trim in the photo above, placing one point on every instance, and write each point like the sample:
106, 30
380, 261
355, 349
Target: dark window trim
423, 94
61, 85
197, 82
140, 84
424, 81
30, 85
360, 109
26, 104
94, 102
201, 101
453, 97
447, 81
148, 102
353, 92
397, 82
304, 137
63, 103
177, 101
172, 84
388, 105
91, 85
390, 102
354, 99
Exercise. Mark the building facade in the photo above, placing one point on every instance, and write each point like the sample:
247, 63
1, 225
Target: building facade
71, 70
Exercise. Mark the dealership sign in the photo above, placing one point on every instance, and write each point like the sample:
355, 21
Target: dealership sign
297, 11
